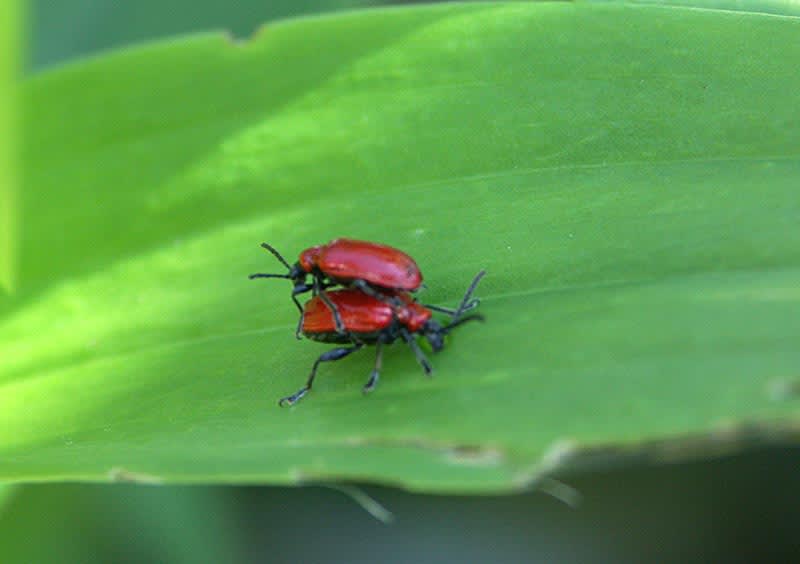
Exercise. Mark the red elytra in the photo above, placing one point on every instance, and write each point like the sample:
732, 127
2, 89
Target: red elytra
361, 314
345, 260
369, 320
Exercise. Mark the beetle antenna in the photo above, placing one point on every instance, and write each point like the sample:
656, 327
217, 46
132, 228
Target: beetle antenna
474, 317
466, 302
260, 275
276, 254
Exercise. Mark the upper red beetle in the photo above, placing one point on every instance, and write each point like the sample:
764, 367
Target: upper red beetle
369, 320
371, 267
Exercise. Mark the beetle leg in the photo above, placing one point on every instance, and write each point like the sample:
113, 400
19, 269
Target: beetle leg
337, 319
421, 359
300, 289
334, 354
373, 293
367, 289
373, 377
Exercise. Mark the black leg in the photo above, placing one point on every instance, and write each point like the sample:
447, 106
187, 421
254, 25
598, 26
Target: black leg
298, 332
299, 289
373, 293
373, 377
421, 359
337, 319
334, 354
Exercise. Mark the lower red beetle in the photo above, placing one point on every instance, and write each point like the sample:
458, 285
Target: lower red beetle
371, 267
368, 320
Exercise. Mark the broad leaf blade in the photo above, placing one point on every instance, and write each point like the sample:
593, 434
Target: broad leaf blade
776, 7
631, 190
9, 63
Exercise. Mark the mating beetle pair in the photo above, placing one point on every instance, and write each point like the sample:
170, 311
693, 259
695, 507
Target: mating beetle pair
375, 307
369, 267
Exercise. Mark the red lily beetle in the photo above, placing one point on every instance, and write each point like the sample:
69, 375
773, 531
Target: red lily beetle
370, 267
369, 320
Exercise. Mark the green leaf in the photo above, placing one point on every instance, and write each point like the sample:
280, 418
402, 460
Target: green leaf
776, 7
627, 175
9, 60
7, 492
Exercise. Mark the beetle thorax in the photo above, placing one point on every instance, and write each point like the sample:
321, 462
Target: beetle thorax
310, 258
413, 316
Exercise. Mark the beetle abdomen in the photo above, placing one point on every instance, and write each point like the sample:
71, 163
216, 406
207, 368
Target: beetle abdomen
333, 337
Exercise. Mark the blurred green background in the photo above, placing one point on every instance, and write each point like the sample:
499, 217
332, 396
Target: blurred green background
742, 508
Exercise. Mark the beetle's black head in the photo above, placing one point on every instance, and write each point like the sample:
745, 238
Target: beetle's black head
434, 333
297, 274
